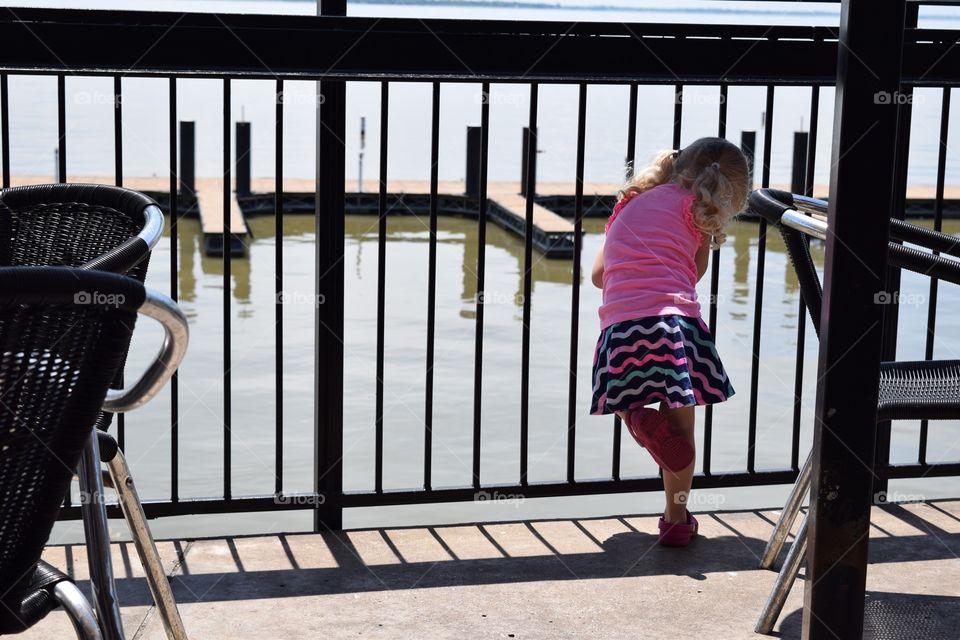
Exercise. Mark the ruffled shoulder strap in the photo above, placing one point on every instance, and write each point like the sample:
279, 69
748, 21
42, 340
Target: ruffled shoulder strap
617, 208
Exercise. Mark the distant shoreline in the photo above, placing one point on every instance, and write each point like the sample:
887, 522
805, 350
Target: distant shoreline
542, 5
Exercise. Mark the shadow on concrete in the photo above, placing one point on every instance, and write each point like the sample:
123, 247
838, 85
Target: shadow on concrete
625, 554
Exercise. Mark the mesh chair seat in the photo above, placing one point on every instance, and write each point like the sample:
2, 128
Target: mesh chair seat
59, 352
922, 390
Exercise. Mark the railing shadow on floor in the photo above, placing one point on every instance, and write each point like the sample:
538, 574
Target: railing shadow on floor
383, 559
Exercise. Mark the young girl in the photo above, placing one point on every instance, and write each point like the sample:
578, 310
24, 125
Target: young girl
653, 344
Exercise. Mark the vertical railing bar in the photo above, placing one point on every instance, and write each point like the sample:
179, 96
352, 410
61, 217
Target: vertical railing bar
632, 130
278, 286
631, 168
118, 181
722, 111
677, 114
5, 130
808, 185
758, 301
61, 129
381, 279
431, 288
227, 116
938, 226
118, 132
575, 288
714, 290
174, 213
530, 189
481, 266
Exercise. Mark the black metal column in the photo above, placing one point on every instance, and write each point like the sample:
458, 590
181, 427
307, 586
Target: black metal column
861, 195
891, 311
328, 363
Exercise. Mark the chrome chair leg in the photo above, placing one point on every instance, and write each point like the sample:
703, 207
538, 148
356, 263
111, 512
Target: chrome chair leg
97, 536
122, 482
78, 610
785, 579
788, 515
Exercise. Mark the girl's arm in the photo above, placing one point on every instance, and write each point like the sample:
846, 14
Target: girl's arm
703, 256
597, 275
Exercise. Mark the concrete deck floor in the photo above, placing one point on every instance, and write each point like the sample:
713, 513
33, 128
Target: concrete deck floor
591, 578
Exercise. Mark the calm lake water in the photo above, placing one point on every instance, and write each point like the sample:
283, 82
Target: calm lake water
251, 294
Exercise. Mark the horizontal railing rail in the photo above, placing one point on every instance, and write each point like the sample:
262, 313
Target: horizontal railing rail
352, 48
122, 44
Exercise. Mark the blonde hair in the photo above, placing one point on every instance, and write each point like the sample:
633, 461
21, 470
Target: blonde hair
714, 170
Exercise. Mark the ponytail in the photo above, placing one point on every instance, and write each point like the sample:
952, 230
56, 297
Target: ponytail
713, 205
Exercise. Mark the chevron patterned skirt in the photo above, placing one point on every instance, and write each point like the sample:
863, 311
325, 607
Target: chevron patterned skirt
643, 361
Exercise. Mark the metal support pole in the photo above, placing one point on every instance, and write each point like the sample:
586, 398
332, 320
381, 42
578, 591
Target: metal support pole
861, 194
243, 158
97, 536
787, 516
785, 579
328, 362
122, 482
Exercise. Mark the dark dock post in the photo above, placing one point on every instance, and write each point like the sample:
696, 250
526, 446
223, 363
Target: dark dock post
188, 183
748, 142
845, 428
473, 162
798, 174
243, 158
528, 140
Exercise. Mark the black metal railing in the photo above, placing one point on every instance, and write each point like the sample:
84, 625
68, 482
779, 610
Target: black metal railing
334, 50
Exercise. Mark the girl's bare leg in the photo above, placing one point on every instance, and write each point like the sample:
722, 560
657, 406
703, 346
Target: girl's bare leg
676, 484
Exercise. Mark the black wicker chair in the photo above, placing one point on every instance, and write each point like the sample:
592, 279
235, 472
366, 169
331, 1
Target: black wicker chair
63, 334
104, 228
927, 390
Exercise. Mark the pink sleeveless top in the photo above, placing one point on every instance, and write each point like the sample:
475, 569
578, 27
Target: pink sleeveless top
649, 257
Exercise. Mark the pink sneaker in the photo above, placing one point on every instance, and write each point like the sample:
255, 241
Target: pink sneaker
678, 534
652, 430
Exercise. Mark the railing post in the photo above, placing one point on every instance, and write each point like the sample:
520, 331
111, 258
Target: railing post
473, 162
891, 312
243, 158
188, 184
798, 173
844, 439
328, 363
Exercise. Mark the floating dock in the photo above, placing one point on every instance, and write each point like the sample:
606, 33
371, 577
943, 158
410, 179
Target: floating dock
553, 206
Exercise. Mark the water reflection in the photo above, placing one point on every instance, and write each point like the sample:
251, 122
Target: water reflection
361, 231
